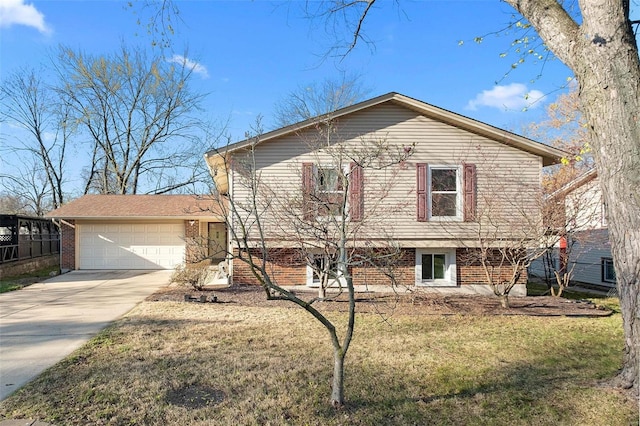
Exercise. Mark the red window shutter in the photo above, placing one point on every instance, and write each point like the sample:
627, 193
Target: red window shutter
307, 191
356, 192
421, 192
470, 192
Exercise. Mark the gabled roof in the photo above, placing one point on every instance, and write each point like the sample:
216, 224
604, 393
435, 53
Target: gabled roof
550, 155
576, 183
138, 207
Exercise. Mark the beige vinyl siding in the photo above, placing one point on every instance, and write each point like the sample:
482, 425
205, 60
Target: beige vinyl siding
504, 173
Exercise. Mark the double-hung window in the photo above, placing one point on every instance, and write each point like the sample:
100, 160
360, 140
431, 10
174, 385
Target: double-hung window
324, 191
329, 190
445, 192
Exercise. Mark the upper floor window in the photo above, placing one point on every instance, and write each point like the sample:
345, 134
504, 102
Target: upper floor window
324, 190
329, 190
445, 192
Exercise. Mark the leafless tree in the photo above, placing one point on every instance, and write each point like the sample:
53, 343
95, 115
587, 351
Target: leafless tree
567, 215
139, 116
564, 127
29, 186
13, 204
29, 103
321, 225
315, 99
574, 212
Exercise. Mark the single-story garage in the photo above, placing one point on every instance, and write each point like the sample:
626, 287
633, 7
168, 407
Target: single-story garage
139, 231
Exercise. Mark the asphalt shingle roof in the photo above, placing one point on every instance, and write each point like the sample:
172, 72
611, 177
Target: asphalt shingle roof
138, 206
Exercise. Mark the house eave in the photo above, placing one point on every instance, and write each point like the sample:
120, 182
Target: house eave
137, 218
549, 154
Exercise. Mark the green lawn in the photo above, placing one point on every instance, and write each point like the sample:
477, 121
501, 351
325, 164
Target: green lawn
261, 366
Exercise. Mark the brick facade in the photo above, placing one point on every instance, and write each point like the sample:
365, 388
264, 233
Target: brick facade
194, 248
68, 245
470, 270
403, 271
289, 268
286, 265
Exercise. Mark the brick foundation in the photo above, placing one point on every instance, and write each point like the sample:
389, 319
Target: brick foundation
470, 270
28, 266
288, 268
68, 245
403, 271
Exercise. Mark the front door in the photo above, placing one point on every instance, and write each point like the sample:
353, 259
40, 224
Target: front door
217, 242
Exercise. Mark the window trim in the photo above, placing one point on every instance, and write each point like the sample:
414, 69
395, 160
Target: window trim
604, 265
316, 179
450, 273
459, 196
603, 214
336, 282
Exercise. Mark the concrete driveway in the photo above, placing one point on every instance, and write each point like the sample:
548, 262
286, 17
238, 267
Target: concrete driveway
45, 322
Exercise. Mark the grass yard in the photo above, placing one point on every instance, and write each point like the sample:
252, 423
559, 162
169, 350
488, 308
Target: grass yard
17, 282
172, 363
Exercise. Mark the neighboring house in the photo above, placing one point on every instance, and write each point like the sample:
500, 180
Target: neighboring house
587, 246
138, 231
472, 167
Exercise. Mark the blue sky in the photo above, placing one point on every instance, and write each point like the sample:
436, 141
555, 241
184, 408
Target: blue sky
252, 53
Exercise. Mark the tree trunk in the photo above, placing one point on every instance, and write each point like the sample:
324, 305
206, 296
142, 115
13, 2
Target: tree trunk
337, 388
616, 139
504, 301
603, 54
610, 94
322, 291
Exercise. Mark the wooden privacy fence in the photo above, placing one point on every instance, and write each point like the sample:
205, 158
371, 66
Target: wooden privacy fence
24, 237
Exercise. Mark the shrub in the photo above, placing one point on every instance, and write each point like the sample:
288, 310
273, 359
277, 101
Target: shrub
193, 275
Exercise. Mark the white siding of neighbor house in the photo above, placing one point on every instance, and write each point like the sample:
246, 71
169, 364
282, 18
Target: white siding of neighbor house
504, 173
584, 207
589, 234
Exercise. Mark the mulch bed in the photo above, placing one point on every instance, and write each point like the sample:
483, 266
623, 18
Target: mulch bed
402, 304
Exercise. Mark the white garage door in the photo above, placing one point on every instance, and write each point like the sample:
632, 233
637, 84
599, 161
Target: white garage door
131, 245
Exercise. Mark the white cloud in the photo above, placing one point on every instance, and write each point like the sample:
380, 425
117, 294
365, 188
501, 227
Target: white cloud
514, 96
189, 64
17, 12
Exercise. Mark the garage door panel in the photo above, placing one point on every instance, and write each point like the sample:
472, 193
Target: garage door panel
126, 228
131, 246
